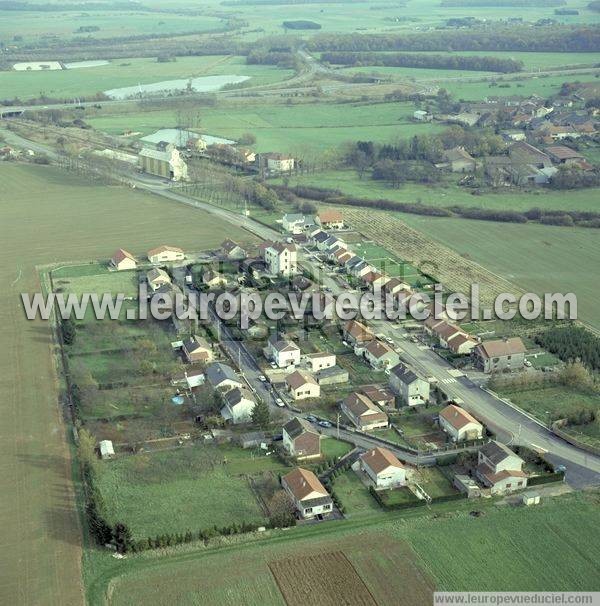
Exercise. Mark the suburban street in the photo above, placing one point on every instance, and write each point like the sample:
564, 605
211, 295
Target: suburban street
511, 425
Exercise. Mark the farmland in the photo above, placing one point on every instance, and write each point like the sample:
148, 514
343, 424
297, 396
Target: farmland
80, 220
542, 555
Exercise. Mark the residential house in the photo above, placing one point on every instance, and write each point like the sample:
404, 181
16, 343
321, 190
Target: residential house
382, 396
281, 258
383, 468
320, 360
462, 344
340, 256
165, 254
197, 349
302, 385
123, 260
221, 376
459, 424
356, 333
500, 469
363, 413
380, 355
307, 493
165, 162
513, 135
238, 405
293, 223
301, 440
430, 324
213, 279
500, 355
156, 278
445, 332
318, 238
282, 352
410, 387
277, 163
458, 160
330, 219
232, 250
393, 286
361, 268
302, 284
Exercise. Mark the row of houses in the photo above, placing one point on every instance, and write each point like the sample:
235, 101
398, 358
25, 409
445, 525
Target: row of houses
298, 223
123, 260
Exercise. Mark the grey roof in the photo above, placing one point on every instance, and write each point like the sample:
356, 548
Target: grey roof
297, 426
332, 371
282, 344
147, 152
321, 236
316, 501
290, 217
180, 137
353, 262
497, 452
217, 372
405, 375
236, 395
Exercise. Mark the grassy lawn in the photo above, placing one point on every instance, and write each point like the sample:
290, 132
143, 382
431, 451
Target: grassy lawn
189, 488
354, 495
435, 483
332, 448
122, 282
449, 193
398, 496
539, 360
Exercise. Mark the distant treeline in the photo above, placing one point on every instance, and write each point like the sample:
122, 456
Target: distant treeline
566, 11
284, 59
473, 63
556, 38
503, 3
13, 5
301, 24
546, 217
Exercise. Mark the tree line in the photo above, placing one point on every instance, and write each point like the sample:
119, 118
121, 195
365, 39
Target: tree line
570, 343
469, 63
517, 37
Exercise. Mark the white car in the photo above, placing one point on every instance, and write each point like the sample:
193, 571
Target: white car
389, 340
279, 402
262, 378
527, 363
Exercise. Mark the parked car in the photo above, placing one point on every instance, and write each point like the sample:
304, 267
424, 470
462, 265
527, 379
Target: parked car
324, 424
414, 339
527, 363
389, 340
279, 402
312, 419
262, 378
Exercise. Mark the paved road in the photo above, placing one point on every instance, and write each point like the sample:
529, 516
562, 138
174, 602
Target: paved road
511, 425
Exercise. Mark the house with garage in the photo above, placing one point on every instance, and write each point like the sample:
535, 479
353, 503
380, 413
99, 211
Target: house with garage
383, 468
222, 377
380, 355
197, 349
410, 388
307, 493
165, 254
356, 334
500, 469
363, 413
232, 250
302, 386
320, 360
459, 424
500, 355
301, 440
282, 352
330, 219
238, 404
157, 278
122, 260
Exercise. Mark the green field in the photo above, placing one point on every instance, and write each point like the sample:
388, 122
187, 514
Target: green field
302, 130
55, 217
507, 549
191, 488
540, 258
88, 81
451, 194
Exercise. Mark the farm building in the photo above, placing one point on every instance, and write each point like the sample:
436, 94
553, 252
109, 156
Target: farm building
123, 260
307, 493
277, 163
165, 254
458, 160
165, 162
383, 468
301, 440
459, 424
363, 413
530, 498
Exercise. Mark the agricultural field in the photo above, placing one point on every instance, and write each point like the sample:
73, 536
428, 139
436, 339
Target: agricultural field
191, 488
553, 254
304, 130
81, 220
542, 555
71, 83
450, 194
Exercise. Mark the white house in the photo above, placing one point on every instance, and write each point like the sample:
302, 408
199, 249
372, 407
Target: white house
213, 279
308, 494
380, 355
293, 223
320, 360
411, 388
500, 469
278, 163
383, 468
459, 424
165, 254
123, 260
156, 278
238, 405
281, 258
302, 386
232, 250
221, 376
282, 351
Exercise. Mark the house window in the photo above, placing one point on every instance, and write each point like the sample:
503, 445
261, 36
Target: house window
520, 483
308, 510
326, 507
508, 485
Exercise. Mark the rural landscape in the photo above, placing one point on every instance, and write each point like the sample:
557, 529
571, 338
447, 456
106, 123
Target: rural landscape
419, 182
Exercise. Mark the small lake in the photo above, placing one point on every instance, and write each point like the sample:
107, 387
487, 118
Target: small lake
203, 84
